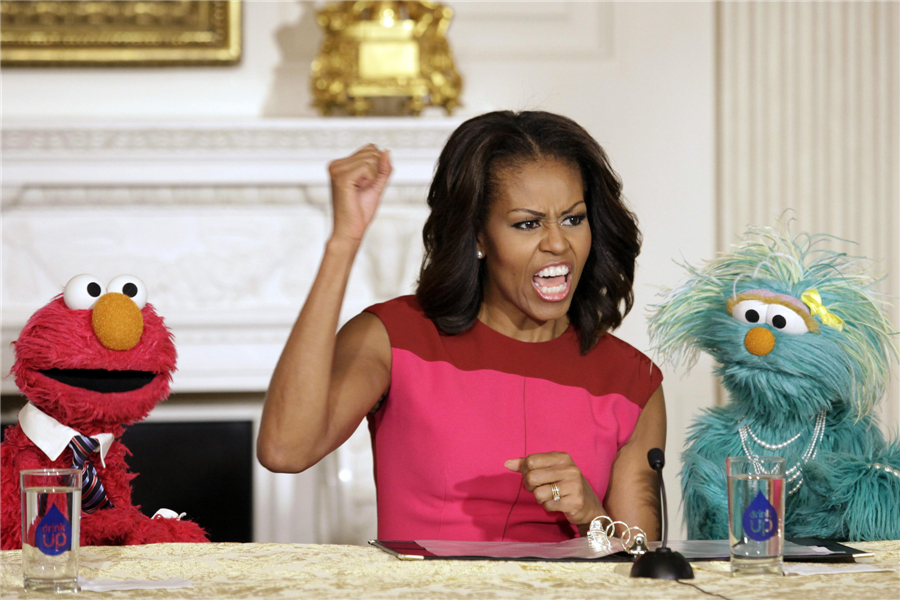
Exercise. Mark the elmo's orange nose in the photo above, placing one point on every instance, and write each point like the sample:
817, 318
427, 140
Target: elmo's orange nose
759, 341
117, 321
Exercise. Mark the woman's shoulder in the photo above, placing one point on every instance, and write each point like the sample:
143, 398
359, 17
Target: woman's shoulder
405, 321
624, 368
611, 346
402, 306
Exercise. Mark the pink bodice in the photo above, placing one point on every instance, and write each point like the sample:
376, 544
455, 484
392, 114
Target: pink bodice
460, 406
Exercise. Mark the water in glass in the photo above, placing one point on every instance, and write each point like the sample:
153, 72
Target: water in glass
50, 535
756, 517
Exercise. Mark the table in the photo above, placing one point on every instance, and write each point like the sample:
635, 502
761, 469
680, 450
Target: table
341, 572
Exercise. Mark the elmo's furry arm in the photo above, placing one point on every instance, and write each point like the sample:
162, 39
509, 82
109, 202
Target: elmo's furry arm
10, 517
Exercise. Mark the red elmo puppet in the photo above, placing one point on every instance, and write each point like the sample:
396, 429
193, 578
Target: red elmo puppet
90, 362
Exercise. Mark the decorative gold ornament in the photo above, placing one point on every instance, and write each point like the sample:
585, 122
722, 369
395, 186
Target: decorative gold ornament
384, 50
106, 32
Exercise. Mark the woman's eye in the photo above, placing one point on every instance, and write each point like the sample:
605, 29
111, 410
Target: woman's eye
784, 319
575, 219
526, 225
82, 292
751, 312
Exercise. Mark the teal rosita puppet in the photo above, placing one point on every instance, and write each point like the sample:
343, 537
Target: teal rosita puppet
804, 350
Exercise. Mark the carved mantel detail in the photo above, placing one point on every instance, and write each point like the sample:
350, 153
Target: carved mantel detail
318, 137
226, 222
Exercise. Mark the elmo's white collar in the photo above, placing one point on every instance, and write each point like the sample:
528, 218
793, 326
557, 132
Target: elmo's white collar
51, 436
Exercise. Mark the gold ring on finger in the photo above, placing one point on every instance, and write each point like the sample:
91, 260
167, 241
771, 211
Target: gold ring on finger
555, 490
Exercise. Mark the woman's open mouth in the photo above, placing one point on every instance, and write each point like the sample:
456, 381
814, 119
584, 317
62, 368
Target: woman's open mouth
101, 380
552, 282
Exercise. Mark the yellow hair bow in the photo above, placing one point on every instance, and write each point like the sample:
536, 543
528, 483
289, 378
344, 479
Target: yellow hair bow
813, 300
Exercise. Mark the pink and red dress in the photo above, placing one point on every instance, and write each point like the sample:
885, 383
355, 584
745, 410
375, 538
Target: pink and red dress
459, 406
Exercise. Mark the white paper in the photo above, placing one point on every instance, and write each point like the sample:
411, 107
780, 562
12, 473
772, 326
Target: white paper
820, 549
808, 569
575, 548
113, 585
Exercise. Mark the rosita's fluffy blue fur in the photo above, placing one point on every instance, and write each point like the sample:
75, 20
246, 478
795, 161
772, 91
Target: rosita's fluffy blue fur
844, 373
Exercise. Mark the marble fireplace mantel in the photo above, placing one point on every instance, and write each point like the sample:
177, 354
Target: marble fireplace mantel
226, 223
224, 220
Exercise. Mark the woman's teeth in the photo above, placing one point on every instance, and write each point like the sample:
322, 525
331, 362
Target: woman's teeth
552, 290
553, 271
552, 280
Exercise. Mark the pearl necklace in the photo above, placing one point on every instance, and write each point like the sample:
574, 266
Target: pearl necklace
795, 473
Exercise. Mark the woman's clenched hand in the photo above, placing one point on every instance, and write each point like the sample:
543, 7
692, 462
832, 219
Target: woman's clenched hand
357, 183
541, 471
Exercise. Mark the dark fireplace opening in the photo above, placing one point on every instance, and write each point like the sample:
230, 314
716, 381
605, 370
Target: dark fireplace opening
204, 469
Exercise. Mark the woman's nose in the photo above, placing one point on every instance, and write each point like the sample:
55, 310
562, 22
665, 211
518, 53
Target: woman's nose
554, 240
117, 321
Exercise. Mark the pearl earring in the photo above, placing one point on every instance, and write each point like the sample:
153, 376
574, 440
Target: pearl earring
480, 254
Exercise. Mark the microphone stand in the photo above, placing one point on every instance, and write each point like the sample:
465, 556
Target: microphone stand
662, 563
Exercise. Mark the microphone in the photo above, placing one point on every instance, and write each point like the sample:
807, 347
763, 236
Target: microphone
662, 563
657, 459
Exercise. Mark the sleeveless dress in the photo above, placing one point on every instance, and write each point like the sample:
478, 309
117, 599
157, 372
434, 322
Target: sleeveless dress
459, 406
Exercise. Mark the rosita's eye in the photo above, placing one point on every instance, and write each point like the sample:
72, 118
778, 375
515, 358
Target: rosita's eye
784, 319
131, 286
752, 312
82, 292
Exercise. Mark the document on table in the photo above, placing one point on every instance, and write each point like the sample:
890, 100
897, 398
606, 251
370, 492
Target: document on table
581, 549
572, 550
719, 550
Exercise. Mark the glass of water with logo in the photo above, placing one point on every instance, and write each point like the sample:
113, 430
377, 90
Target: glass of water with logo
756, 496
51, 519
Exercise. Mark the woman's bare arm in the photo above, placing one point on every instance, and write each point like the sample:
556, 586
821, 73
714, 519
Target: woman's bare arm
633, 495
324, 385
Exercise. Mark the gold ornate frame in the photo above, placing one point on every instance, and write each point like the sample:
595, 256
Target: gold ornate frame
108, 32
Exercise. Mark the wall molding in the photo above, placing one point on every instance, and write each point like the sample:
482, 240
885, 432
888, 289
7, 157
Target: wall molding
42, 196
198, 139
533, 30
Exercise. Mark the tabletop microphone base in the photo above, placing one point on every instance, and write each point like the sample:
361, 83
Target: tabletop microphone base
662, 563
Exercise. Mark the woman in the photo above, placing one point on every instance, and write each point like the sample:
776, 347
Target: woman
500, 406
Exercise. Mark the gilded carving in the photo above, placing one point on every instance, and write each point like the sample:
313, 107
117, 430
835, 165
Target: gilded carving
101, 32
375, 50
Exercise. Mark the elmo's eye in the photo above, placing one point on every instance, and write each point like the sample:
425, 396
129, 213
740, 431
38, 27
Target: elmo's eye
132, 287
750, 311
82, 292
784, 319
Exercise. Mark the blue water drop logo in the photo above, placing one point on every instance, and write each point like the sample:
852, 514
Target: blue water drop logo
760, 519
53, 534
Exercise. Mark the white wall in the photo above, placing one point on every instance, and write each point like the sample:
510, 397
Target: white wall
638, 76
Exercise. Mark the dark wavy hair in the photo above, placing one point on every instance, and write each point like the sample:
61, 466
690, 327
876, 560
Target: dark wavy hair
450, 286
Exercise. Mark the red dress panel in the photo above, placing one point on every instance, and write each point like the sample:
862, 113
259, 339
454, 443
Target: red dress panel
459, 406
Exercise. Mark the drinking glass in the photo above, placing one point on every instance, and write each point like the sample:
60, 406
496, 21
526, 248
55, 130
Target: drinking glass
51, 519
756, 495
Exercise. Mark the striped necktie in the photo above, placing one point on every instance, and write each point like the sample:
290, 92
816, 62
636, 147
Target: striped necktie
93, 496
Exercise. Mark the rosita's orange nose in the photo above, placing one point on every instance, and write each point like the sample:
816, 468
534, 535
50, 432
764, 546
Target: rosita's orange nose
117, 321
759, 341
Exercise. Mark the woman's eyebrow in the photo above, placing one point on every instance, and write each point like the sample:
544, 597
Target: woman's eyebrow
540, 214
529, 211
571, 208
